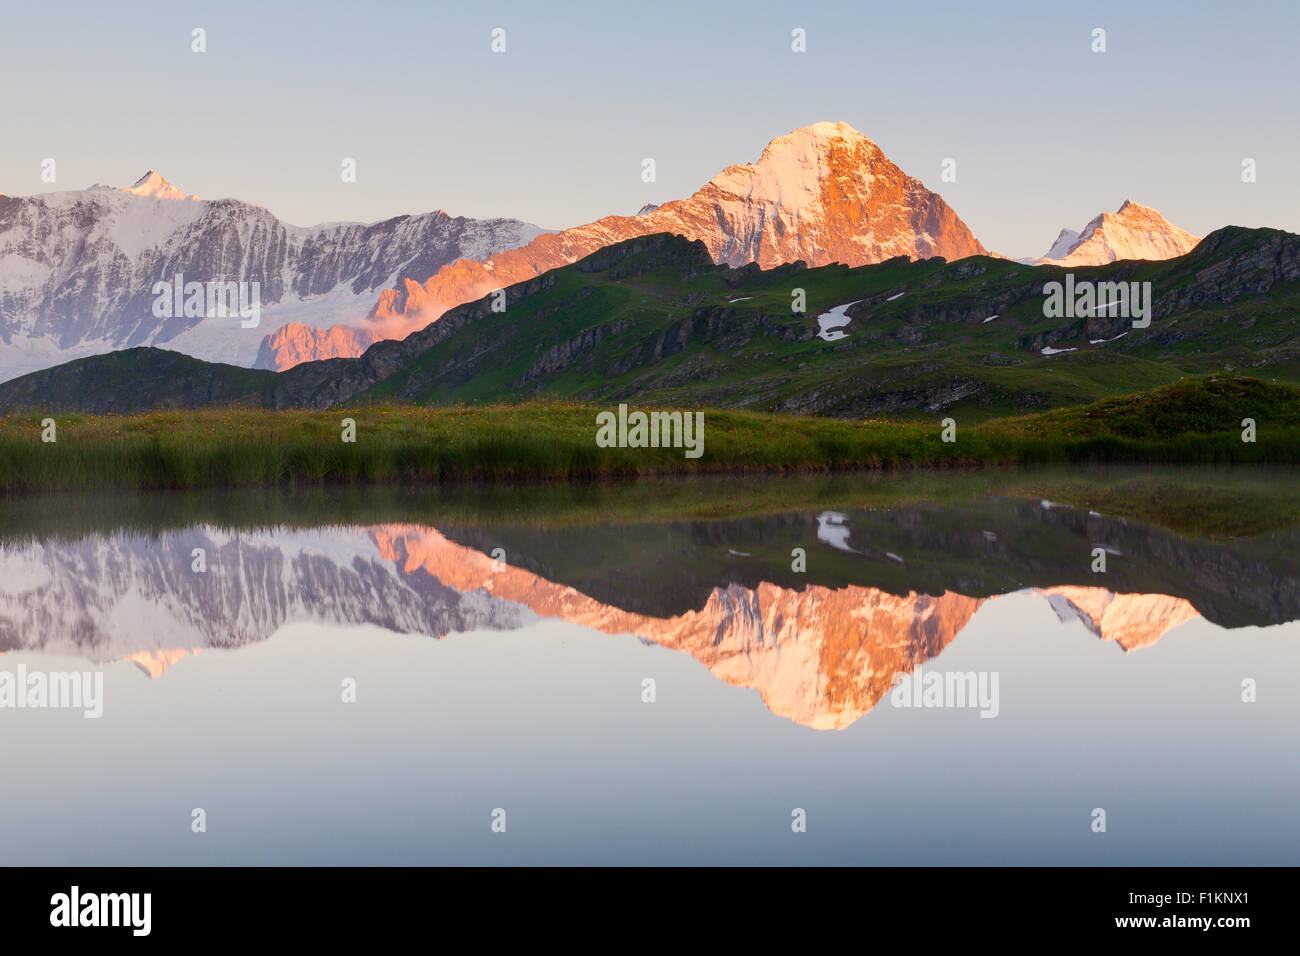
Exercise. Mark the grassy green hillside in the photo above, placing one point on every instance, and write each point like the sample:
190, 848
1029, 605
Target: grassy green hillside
661, 326
1191, 421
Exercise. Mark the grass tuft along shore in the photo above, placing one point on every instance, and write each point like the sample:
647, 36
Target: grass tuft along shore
1194, 421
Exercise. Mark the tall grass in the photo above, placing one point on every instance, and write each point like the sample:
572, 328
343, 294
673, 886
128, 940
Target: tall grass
249, 447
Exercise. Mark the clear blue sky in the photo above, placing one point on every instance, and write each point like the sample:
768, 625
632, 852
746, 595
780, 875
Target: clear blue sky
1045, 132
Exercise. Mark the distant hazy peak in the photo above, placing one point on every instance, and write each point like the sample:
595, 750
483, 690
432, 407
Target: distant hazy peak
1133, 231
1066, 241
152, 185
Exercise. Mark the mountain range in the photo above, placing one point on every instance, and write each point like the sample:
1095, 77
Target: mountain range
77, 268
821, 194
655, 320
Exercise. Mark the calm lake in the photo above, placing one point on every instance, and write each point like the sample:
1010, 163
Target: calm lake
926, 669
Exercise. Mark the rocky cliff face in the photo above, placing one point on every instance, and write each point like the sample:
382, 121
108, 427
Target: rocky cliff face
294, 344
77, 270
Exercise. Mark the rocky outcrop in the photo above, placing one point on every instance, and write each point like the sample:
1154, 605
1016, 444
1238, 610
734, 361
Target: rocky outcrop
294, 344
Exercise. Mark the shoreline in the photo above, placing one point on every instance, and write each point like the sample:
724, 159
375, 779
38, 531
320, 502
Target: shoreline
1198, 421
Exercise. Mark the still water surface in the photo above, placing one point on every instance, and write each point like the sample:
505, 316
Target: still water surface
522, 682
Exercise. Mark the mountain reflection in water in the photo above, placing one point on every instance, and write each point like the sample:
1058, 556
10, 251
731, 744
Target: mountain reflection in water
882, 592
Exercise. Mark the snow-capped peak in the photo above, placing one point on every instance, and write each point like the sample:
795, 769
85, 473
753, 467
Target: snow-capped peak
1133, 231
75, 263
827, 130
152, 185
1063, 244
819, 194
792, 168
